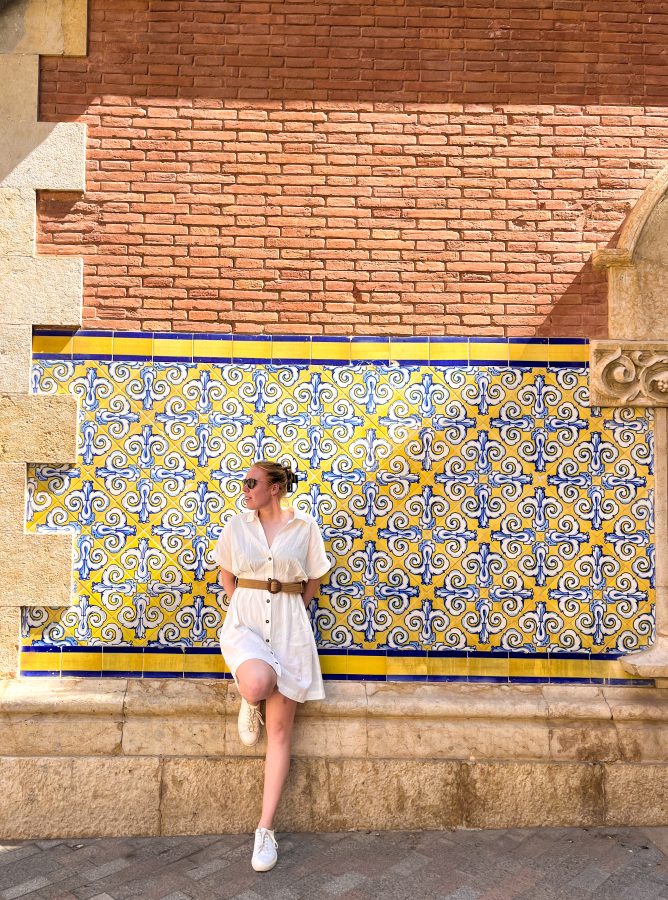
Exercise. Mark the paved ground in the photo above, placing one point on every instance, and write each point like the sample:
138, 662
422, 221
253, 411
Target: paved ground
532, 864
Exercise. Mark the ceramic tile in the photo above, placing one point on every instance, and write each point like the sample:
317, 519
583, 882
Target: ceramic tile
467, 504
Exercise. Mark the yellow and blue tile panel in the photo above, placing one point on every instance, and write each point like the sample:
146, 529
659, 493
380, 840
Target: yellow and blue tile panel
483, 521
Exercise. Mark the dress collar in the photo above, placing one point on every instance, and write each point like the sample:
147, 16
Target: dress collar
251, 514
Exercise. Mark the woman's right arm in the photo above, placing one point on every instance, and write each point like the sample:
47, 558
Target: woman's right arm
227, 580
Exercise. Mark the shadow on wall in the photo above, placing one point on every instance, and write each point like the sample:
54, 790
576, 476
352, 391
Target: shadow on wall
583, 305
458, 51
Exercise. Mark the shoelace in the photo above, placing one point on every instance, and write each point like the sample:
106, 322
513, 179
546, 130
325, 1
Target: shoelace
261, 838
255, 719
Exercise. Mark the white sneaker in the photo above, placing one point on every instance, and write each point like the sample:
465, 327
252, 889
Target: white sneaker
265, 853
249, 723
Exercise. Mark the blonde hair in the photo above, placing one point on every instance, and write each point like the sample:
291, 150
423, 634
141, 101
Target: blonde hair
278, 474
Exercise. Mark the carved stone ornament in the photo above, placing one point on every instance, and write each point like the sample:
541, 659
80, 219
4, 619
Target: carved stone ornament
629, 373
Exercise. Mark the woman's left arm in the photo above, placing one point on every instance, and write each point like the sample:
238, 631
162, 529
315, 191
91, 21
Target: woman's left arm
311, 589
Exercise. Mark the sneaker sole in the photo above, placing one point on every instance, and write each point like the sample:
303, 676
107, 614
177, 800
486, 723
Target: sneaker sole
262, 868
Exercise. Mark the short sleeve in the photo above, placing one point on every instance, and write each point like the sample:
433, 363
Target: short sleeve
222, 552
317, 563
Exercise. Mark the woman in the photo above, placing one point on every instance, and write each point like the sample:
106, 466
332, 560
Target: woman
271, 561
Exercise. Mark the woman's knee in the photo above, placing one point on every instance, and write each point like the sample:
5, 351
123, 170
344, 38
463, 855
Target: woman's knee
279, 732
256, 686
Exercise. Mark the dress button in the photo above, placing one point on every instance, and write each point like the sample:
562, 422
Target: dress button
268, 600
267, 621
266, 640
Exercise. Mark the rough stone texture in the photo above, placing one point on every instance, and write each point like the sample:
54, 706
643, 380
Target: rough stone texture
17, 222
40, 291
210, 783
637, 704
36, 570
590, 742
637, 794
53, 27
65, 697
52, 717
203, 796
15, 344
642, 741
78, 797
344, 698
33, 155
44, 735
174, 737
10, 630
49, 153
459, 739
37, 428
402, 700
211, 796
12, 497
577, 702
156, 697
382, 793
332, 737
175, 718
521, 795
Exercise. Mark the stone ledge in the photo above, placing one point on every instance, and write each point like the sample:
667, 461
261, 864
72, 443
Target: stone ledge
442, 721
370, 756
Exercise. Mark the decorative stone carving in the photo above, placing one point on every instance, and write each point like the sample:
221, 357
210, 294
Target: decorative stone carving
626, 373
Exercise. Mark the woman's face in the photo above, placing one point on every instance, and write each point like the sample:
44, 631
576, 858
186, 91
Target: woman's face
262, 493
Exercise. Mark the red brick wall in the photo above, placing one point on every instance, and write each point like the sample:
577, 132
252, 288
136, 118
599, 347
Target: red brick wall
403, 168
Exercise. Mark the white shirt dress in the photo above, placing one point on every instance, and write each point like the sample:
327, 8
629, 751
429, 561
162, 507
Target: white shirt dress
273, 627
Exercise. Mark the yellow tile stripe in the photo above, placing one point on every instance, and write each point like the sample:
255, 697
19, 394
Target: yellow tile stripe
57, 344
172, 345
421, 667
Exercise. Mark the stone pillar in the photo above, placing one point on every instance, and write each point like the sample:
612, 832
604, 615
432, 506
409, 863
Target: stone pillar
34, 569
631, 369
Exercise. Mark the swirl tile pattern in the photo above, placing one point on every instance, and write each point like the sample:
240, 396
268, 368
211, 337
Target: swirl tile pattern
470, 499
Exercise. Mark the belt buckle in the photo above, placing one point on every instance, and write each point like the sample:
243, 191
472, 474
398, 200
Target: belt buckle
274, 586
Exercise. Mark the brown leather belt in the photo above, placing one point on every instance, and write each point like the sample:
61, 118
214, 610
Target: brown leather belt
273, 585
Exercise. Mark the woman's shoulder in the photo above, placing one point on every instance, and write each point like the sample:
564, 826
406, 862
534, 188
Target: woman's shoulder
306, 517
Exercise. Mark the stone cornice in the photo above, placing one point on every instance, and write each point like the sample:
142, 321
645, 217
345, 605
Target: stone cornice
629, 373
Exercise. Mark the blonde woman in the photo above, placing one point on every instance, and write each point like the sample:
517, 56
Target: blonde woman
271, 561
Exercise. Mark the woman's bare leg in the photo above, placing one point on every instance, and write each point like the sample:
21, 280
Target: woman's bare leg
279, 718
256, 680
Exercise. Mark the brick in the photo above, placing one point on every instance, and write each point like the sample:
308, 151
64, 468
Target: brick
446, 167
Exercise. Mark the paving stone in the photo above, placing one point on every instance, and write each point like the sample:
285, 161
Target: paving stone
517, 864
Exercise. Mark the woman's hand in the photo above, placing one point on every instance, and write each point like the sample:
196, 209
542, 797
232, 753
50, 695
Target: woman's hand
311, 589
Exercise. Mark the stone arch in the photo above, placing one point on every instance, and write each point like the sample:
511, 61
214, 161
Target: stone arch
638, 269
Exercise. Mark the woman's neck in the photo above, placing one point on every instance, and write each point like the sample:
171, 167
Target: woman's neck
272, 512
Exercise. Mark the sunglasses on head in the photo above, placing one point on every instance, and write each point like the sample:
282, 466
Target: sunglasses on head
249, 483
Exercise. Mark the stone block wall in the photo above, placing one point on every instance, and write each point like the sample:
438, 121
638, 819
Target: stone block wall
33, 290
